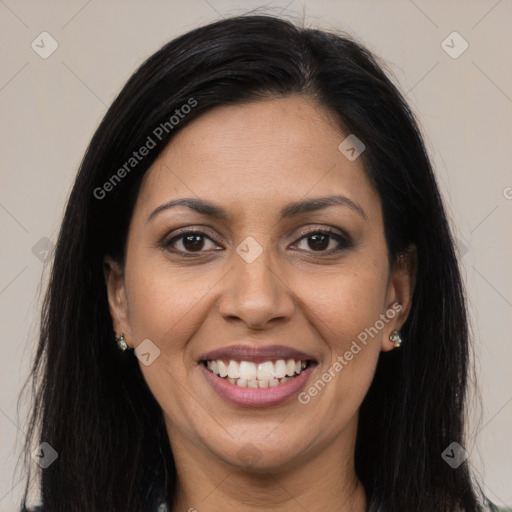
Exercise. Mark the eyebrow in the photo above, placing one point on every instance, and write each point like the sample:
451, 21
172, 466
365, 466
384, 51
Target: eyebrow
290, 210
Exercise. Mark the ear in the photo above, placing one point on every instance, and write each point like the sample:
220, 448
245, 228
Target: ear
399, 294
118, 306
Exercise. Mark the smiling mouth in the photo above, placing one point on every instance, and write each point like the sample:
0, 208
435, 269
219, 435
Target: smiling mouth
266, 374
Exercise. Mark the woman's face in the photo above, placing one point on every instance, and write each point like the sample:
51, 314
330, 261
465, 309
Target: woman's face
258, 284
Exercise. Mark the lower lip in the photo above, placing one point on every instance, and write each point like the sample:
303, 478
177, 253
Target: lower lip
257, 397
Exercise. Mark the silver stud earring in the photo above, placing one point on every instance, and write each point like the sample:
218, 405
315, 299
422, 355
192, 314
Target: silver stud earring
395, 337
121, 343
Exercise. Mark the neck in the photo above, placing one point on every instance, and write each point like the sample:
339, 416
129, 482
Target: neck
325, 481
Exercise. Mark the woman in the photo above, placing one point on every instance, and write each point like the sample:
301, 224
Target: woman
255, 302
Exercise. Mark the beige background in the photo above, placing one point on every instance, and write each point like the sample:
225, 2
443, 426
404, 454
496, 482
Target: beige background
50, 108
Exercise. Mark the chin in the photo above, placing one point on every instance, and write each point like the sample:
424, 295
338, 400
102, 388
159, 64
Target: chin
260, 454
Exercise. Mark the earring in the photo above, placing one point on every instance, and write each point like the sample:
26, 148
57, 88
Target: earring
395, 337
121, 343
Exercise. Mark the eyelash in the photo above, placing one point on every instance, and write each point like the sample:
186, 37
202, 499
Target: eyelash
344, 241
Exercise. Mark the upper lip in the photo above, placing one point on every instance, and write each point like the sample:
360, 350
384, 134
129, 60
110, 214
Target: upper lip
256, 354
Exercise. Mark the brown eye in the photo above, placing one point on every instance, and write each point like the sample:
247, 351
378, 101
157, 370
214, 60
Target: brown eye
196, 241
319, 241
190, 242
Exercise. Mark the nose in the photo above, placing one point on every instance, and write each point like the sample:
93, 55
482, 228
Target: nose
255, 294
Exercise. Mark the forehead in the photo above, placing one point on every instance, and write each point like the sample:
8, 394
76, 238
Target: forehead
259, 153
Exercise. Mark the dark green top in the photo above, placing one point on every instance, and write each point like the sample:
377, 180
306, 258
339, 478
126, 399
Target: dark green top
493, 508
489, 507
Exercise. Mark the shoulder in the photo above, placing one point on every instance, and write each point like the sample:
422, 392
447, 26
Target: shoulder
161, 508
491, 507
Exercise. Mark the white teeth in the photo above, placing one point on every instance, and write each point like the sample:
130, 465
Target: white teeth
242, 383
266, 370
233, 370
212, 365
262, 375
280, 369
247, 370
223, 371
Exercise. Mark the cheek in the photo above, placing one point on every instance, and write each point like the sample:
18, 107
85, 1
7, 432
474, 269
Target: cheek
343, 305
169, 305
345, 309
165, 305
